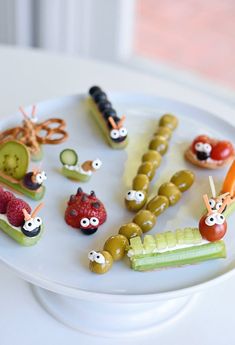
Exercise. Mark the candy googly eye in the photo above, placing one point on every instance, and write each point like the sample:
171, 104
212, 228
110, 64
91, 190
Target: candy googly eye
99, 258
94, 221
210, 220
39, 178
199, 146
91, 255
123, 132
29, 225
207, 148
44, 175
220, 219
139, 196
114, 134
218, 205
130, 195
96, 164
37, 222
84, 222
212, 203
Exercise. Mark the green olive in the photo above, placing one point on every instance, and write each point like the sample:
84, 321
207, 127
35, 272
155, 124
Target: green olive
158, 204
103, 267
116, 246
130, 230
145, 220
141, 182
137, 201
169, 120
152, 156
165, 132
172, 192
148, 169
183, 179
159, 143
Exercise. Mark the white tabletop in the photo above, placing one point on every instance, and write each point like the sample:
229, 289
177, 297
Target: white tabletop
27, 77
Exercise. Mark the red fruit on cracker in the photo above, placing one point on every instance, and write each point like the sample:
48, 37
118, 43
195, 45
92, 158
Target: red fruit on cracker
5, 197
15, 214
85, 212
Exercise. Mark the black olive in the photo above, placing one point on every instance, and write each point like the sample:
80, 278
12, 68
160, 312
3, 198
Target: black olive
104, 105
109, 112
27, 182
99, 96
93, 89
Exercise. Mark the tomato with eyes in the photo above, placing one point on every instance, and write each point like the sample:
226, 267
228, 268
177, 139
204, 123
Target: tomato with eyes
200, 139
222, 150
213, 232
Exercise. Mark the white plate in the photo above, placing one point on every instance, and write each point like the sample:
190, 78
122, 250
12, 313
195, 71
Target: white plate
59, 261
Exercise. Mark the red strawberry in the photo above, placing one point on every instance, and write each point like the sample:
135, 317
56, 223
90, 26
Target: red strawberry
85, 212
15, 215
5, 197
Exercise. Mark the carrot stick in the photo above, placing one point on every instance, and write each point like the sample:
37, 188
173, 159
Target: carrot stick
229, 181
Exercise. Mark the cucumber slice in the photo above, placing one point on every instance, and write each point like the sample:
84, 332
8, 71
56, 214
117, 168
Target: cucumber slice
160, 241
180, 236
136, 245
179, 257
14, 159
68, 157
188, 236
197, 236
171, 239
149, 244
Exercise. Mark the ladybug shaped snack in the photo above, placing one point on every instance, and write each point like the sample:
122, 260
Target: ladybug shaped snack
209, 153
85, 212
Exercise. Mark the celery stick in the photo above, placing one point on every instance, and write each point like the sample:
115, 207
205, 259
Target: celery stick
179, 257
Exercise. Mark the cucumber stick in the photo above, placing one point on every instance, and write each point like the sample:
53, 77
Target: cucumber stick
179, 257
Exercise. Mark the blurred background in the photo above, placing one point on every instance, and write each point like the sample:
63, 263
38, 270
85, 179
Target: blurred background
170, 37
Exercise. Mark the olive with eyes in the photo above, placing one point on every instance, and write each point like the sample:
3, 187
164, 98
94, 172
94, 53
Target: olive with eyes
100, 262
202, 150
135, 200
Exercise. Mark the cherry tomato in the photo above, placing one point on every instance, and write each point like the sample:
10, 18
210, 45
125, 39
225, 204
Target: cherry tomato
212, 233
200, 139
222, 150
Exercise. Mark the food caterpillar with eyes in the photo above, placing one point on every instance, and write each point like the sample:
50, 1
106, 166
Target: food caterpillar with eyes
209, 153
115, 247
136, 198
17, 220
108, 120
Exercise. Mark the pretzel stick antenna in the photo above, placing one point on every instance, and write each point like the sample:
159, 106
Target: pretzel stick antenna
112, 122
206, 201
212, 185
26, 215
225, 203
23, 112
120, 123
33, 110
37, 209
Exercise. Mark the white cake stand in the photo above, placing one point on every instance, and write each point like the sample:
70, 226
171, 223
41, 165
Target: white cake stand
122, 302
